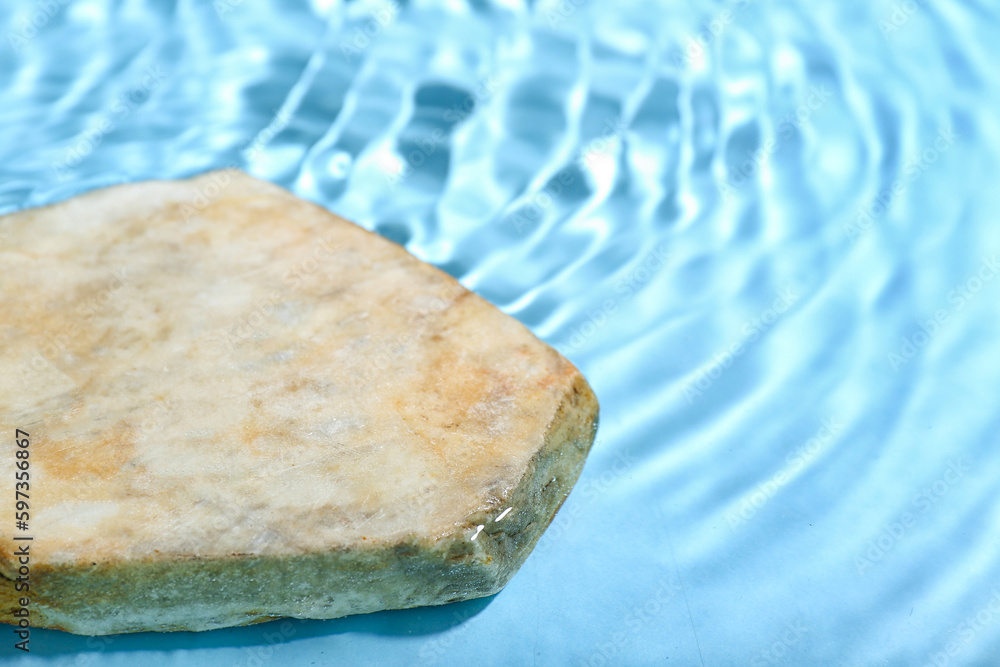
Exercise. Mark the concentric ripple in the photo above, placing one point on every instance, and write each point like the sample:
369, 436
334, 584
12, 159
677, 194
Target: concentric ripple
764, 230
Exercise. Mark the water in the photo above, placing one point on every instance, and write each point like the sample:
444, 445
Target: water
763, 230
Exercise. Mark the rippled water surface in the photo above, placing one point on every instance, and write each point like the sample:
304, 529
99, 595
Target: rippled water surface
766, 232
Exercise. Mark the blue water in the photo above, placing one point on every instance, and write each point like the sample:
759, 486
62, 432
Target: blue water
766, 231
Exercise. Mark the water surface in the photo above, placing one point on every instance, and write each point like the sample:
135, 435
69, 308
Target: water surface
766, 232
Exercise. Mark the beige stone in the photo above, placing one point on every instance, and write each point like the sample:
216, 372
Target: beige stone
242, 407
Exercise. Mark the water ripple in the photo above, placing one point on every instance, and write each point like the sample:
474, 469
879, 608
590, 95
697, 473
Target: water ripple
764, 230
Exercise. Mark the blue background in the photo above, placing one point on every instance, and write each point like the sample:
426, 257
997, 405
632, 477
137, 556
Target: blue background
766, 231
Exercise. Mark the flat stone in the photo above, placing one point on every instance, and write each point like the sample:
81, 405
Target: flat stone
242, 407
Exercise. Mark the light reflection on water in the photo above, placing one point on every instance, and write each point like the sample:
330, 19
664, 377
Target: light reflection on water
762, 229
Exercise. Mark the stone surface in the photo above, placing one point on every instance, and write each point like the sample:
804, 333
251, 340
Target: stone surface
243, 407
